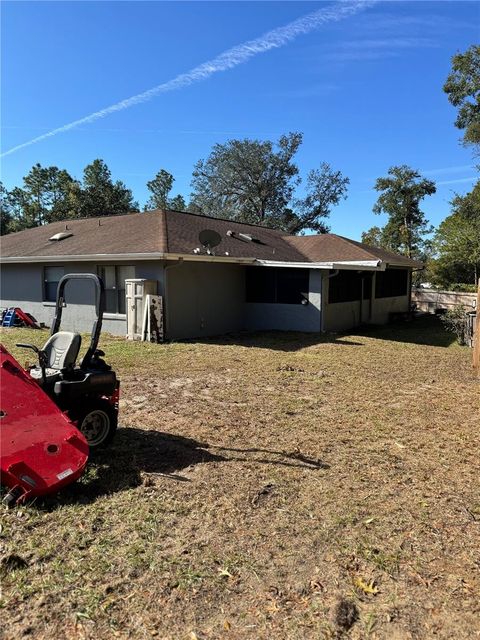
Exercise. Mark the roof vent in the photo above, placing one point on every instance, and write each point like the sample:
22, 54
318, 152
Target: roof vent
61, 236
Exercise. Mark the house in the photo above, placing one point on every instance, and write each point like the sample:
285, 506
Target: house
255, 278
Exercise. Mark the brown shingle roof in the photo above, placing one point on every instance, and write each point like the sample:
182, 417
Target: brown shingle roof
267, 244
132, 233
328, 246
177, 233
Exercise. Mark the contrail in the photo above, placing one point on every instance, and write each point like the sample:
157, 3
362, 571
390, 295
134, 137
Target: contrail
226, 60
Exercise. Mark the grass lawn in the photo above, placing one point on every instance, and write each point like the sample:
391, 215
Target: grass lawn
271, 485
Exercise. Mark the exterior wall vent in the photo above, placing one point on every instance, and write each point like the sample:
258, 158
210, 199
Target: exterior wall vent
61, 236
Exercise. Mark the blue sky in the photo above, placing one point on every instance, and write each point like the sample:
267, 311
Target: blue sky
366, 91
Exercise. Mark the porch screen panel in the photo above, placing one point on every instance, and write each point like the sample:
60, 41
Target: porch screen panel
292, 285
277, 285
391, 283
260, 284
345, 287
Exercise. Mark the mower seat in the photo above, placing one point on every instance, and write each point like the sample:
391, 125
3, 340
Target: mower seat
61, 350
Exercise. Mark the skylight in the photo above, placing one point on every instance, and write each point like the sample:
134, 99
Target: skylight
61, 236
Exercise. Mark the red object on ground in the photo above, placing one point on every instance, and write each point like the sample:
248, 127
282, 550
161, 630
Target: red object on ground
27, 320
41, 451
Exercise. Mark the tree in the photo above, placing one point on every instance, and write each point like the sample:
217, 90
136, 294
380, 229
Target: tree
325, 188
254, 181
160, 188
247, 180
100, 196
401, 193
177, 203
463, 90
5, 211
47, 194
373, 237
457, 241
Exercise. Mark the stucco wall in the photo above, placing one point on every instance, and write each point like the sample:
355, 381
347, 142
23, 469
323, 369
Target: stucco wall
341, 316
346, 315
288, 317
21, 285
382, 308
204, 299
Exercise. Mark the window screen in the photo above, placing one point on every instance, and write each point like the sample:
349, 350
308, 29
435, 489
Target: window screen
345, 287
391, 283
276, 285
51, 277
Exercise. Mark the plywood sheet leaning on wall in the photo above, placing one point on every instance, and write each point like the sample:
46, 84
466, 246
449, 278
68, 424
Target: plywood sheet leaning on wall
153, 330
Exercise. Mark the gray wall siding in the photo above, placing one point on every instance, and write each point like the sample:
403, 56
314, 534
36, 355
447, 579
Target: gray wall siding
288, 317
204, 299
22, 286
152, 270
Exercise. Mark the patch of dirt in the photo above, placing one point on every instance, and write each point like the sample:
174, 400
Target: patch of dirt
266, 486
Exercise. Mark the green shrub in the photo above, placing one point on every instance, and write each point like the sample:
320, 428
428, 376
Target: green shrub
462, 286
455, 320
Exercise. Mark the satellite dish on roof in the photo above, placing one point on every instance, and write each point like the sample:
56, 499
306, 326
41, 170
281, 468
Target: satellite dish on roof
209, 239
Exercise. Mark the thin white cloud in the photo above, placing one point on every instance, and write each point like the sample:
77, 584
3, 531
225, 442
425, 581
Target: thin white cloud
397, 43
227, 60
375, 49
459, 168
458, 181
421, 23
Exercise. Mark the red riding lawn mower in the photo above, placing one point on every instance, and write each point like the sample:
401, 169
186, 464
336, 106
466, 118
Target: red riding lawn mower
52, 414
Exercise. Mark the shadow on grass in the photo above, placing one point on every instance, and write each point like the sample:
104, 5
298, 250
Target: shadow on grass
278, 340
136, 453
427, 330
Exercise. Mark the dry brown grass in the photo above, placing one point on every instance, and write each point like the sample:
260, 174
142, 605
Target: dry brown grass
266, 486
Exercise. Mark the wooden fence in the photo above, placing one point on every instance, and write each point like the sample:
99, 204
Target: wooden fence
476, 338
431, 300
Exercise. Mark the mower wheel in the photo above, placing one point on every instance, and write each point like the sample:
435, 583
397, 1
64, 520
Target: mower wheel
98, 423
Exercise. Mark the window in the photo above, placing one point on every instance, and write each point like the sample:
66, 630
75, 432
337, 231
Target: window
277, 285
347, 286
114, 280
51, 278
391, 283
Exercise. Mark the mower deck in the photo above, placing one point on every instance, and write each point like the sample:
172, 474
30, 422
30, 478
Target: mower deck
41, 450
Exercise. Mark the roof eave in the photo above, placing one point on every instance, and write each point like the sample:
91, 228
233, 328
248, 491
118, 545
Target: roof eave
112, 257
351, 265
89, 257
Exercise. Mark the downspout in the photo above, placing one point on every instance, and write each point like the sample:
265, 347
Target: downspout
322, 303
165, 294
